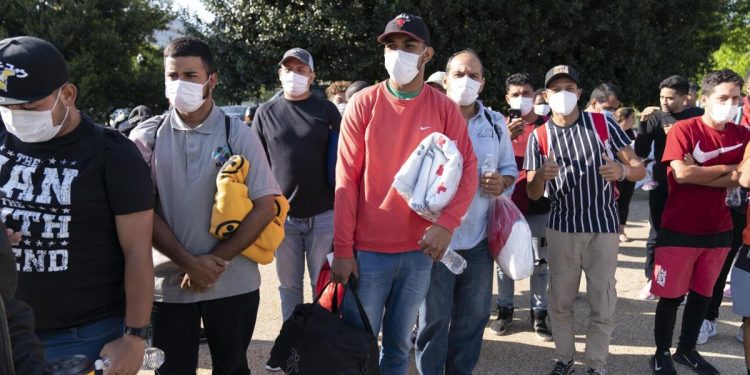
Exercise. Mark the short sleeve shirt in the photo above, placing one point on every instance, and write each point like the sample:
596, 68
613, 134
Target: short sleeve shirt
63, 195
185, 162
697, 209
582, 201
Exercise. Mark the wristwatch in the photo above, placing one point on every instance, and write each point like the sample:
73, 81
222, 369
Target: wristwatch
145, 333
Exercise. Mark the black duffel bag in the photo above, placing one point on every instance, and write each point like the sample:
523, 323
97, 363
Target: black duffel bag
316, 341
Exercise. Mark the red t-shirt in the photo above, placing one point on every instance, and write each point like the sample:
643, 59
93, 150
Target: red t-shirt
519, 196
697, 209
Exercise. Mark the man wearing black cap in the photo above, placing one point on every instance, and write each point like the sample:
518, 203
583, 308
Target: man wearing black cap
294, 129
81, 197
570, 159
395, 247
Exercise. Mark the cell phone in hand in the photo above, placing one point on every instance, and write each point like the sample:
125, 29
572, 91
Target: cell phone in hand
514, 113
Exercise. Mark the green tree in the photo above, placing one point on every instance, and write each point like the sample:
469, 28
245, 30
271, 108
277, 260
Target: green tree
632, 43
107, 44
734, 53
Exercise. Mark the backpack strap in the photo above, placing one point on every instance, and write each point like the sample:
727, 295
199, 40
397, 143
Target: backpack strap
602, 131
492, 123
227, 123
542, 137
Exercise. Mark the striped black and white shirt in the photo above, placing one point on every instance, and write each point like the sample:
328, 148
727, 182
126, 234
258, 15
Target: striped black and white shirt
582, 201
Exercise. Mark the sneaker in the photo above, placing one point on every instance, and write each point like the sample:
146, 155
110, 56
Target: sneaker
272, 366
740, 334
504, 320
708, 330
695, 361
538, 320
562, 368
728, 291
598, 371
650, 185
646, 292
203, 339
661, 364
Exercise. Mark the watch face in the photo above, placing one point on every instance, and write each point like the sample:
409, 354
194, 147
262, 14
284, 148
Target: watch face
145, 332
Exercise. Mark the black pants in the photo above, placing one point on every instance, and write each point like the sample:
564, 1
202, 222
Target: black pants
228, 322
739, 220
626, 189
657, 198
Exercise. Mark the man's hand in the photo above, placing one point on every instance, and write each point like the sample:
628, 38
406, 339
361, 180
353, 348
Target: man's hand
611, 170
203, 272
125, 355
492, 184
647, 113
342, 268
549, 169
13, 237
515, 128
435, 241
689, 160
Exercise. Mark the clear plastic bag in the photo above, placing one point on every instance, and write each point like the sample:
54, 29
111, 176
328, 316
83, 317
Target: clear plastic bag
509, 238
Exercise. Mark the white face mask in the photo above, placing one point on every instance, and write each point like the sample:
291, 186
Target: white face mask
402, 66
722, 113
607, 113
523, 103
563, 102
463, 91
541, 109
32, 126
341, 107
186, 96
294, 84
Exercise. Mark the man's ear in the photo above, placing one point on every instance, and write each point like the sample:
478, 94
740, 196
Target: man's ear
429, 53
68, 94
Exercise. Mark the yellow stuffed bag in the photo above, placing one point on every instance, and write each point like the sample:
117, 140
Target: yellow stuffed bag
232, 204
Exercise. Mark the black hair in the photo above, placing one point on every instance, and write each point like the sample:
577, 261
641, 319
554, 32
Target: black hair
717, 77
677, 83
603, 91
250, 111
354, 88
469, 51
538, 92
693, 86
191, 46
518, 79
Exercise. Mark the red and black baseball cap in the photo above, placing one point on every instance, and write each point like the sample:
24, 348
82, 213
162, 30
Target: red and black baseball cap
30, 69
560, 71
408, 24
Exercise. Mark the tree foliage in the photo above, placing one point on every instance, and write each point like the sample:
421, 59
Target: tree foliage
107, 44
734, 53
632, 43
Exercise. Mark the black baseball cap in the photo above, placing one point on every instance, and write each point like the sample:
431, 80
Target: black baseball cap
299, 54
560, 71
409, 24
30, 69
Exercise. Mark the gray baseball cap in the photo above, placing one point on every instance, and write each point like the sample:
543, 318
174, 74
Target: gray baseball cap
299, 54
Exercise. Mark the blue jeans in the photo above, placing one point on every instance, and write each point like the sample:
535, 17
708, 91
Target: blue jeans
539, 279
309, 238
453, 315
391, 288
88, 339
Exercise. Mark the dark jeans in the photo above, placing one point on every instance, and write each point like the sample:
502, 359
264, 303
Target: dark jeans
657, 198
739, 220
228, 322
626, 189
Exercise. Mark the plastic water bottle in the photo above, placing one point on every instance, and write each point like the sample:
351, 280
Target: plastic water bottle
733, 198
454, 262
153, 358
488, 166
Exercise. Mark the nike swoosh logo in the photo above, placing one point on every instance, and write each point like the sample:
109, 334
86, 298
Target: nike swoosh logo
702, 156
695, 365
424, 127
656, 366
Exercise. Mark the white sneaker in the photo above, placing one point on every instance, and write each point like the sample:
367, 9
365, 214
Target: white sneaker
646, 292
728, 291
740, 334
708, 330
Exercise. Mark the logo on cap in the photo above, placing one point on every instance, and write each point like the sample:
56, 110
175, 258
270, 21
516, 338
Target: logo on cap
401, 20
561, 69
8, 70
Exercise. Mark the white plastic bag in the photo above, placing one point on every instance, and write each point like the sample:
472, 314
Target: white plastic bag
516, 258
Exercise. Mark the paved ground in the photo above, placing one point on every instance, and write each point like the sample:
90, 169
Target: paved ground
520, 352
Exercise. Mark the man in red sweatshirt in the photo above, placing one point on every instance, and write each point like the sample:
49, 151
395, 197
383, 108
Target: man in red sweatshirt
377, 237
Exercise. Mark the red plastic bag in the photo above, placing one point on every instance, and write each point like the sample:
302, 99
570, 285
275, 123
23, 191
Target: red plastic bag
503, 213
328, 292
510, 239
